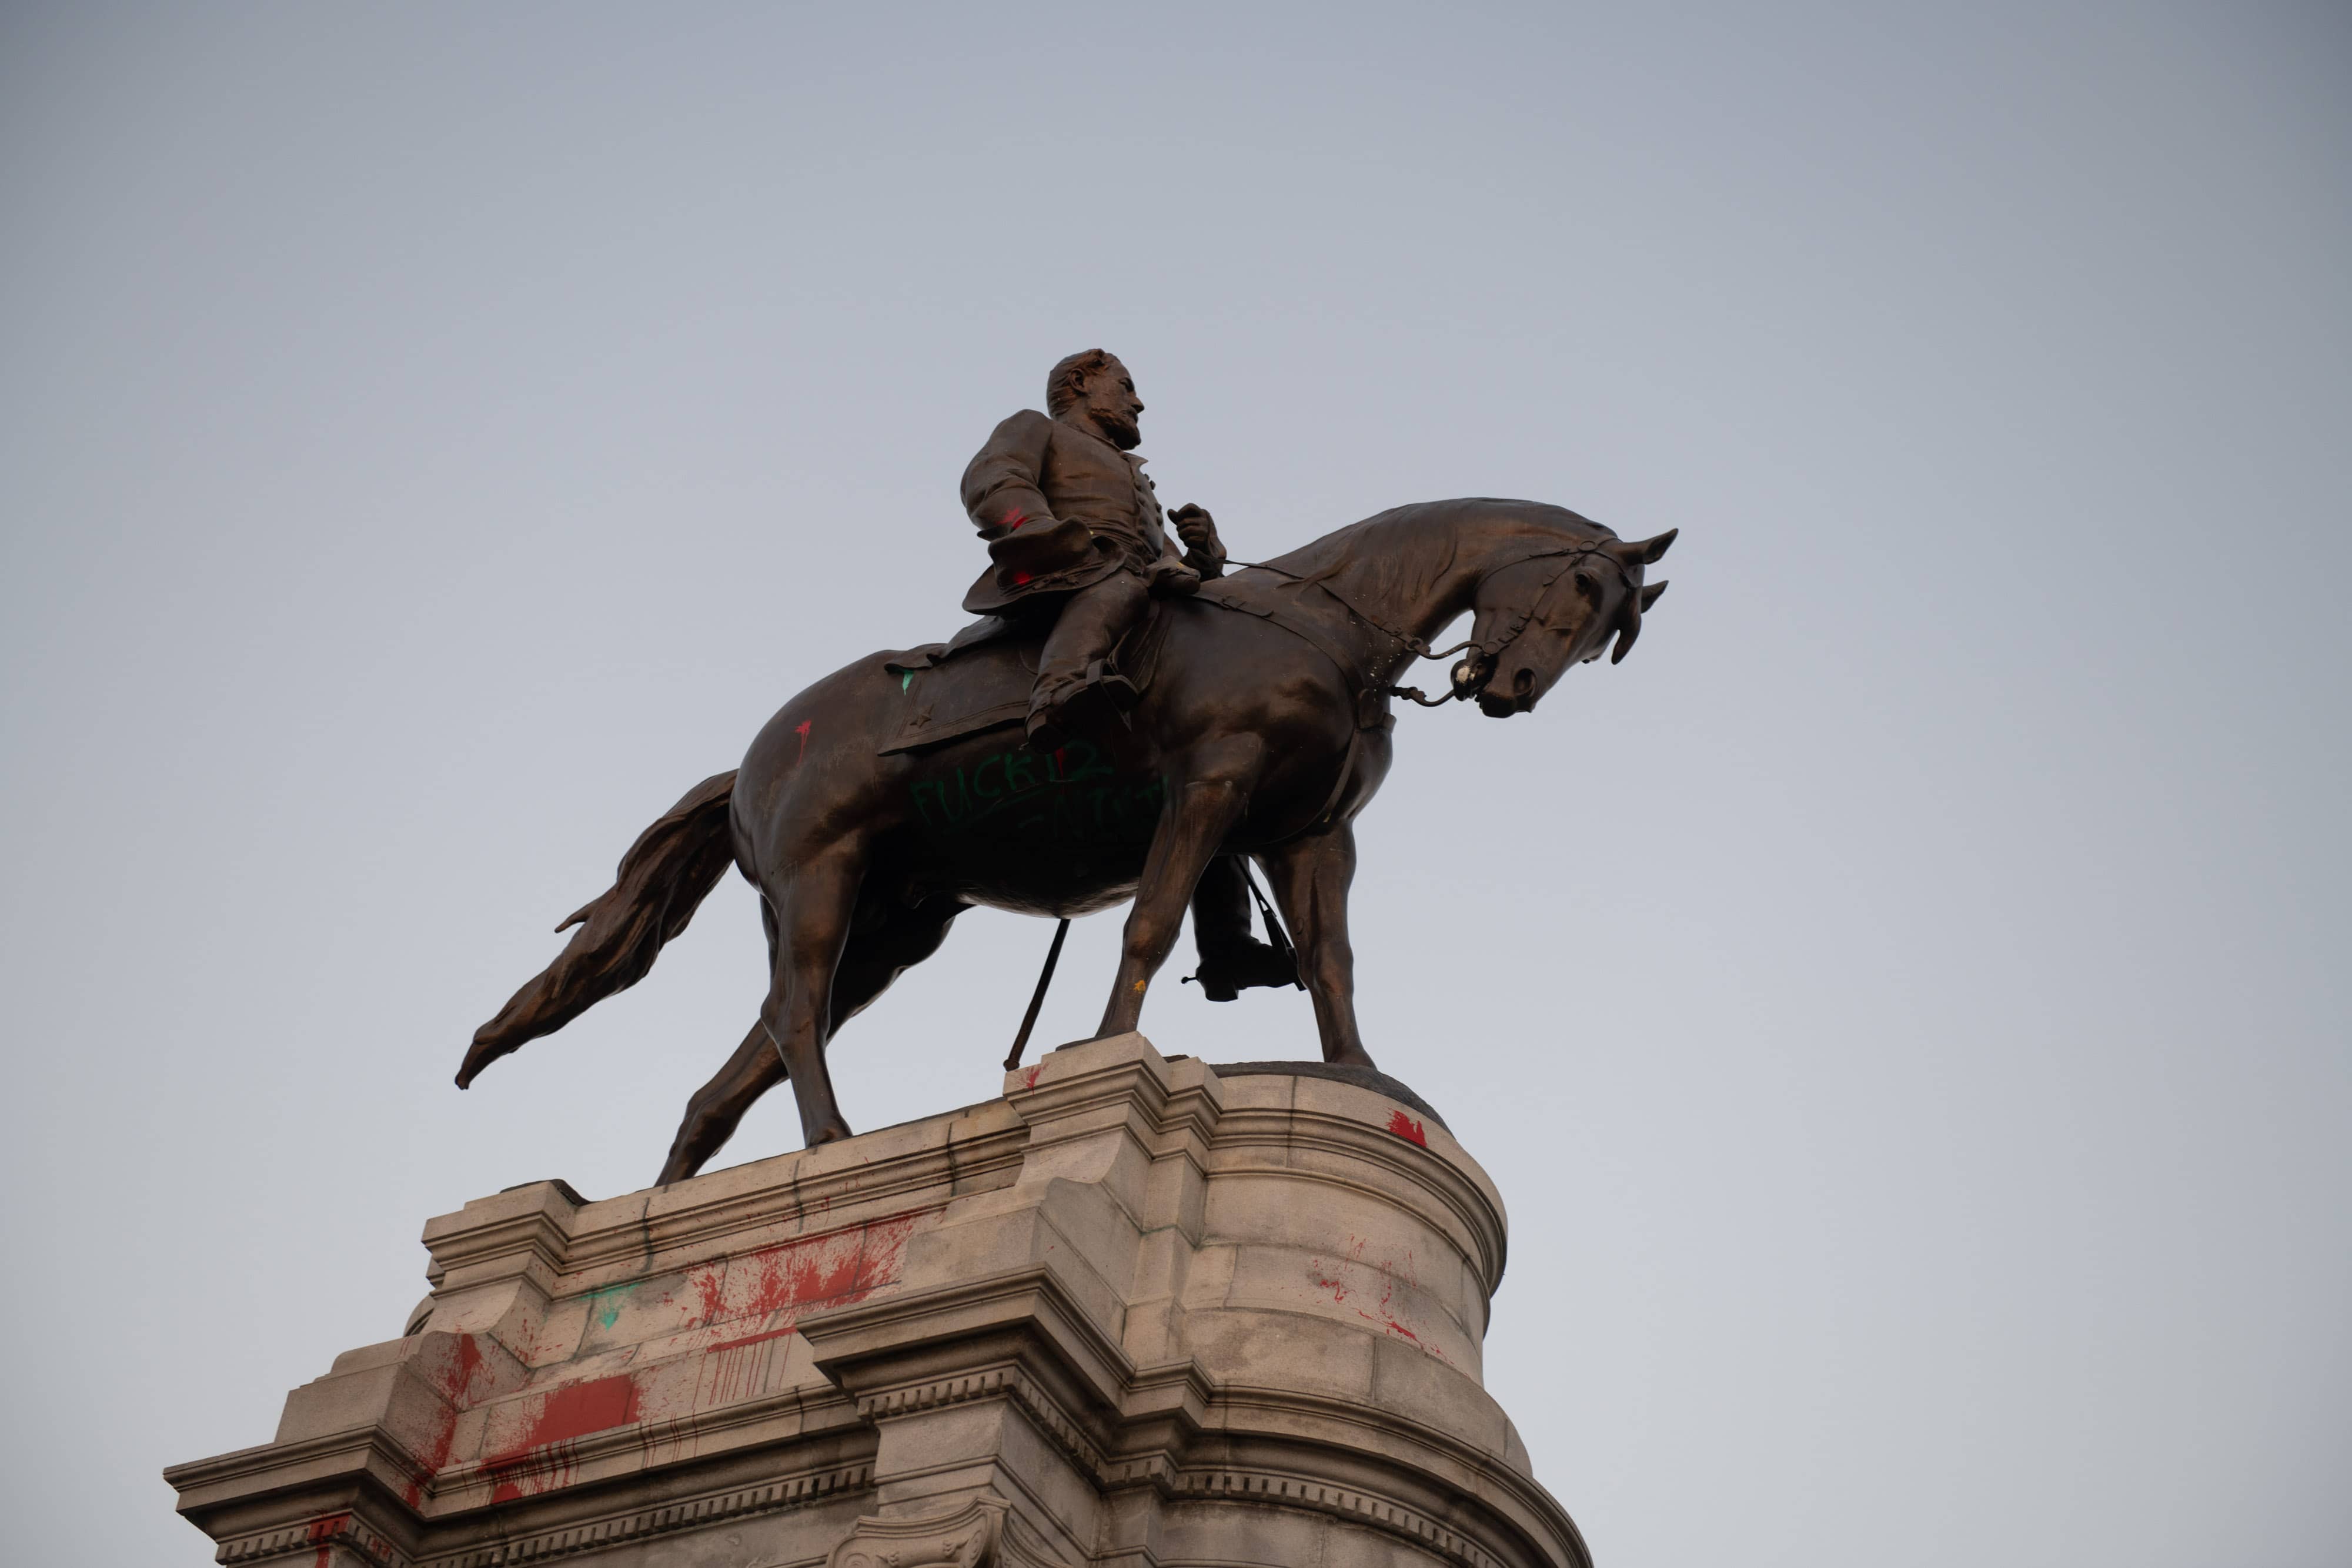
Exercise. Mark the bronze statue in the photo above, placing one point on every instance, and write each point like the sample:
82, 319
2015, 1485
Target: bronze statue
1075, 544
1254, 721
1073, 523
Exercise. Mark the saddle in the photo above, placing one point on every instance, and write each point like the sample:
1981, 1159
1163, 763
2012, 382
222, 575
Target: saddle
980, 678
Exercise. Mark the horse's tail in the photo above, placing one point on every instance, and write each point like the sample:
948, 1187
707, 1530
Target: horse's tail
665, 875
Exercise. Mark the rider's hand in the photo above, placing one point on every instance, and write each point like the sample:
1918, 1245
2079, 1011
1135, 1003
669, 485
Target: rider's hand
1198, 530
1170, 577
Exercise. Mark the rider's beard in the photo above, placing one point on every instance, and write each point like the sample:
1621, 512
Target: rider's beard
1121, 431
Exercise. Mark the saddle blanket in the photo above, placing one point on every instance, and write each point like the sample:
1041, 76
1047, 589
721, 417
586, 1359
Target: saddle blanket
981, 679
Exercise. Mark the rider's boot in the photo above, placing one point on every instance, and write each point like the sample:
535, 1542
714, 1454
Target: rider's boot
1228, 972
1232, 959
1091, 706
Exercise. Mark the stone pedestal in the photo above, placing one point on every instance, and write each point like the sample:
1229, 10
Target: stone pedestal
1132, 1313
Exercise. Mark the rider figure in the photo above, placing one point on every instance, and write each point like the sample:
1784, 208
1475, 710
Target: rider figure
1075, 531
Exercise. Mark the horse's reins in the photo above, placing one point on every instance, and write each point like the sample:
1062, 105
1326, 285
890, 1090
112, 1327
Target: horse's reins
1466, 683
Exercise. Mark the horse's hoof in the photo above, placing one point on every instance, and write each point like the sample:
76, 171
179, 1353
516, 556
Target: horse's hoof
833, 1135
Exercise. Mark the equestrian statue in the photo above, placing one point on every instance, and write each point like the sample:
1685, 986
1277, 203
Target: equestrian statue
1184, 721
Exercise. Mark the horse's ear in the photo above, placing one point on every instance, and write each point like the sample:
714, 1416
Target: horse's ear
1651, 551
1650, 594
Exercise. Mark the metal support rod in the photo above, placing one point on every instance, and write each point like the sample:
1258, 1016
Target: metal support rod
1037, 1000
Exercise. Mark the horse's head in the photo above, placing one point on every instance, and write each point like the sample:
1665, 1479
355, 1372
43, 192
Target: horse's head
1542, 614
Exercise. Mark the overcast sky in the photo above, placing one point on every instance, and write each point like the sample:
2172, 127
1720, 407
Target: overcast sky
1905, 1005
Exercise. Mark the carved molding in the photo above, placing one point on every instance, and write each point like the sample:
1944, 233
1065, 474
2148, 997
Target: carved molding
981, 1533
1227, 1483
997, 1382
308, 1539
313, 1539
696, 1513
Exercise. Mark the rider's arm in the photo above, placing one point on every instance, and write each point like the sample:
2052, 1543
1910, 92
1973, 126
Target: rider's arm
1000, 487
1204, 552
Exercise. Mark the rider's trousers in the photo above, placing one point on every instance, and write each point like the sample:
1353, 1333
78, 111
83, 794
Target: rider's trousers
1091, 622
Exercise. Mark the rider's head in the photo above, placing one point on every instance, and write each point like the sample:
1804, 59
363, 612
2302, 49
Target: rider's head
1092, 389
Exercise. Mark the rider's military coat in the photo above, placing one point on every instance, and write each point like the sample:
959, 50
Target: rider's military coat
1060, 508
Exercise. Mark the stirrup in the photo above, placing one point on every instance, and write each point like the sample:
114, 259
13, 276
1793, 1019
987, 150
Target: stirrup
1226, 976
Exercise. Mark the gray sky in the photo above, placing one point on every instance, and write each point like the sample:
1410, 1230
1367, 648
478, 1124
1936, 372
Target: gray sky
1904, 1004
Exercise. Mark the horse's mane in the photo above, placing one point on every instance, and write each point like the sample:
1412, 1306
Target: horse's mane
1398, 552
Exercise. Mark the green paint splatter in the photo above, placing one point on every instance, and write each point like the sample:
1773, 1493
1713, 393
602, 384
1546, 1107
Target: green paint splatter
605, 1304
906, 679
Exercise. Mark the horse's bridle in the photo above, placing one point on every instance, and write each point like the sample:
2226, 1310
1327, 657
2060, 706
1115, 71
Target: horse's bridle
1469, 677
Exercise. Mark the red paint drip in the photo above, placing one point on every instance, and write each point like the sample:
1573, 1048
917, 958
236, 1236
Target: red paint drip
1029, 1079
573, 1410
546, 1469
323, 1533
838, 1268
710, 1285
748, 1339
1331, 1276
455, 1380
802, 730
1405, 1127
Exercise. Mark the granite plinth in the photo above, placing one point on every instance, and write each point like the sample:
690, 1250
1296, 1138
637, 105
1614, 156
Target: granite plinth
1131, 1313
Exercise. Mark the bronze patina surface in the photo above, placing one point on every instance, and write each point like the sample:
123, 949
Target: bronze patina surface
1264, 728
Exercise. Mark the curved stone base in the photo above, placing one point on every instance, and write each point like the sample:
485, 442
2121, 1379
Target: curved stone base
1137, 1312
1371, 1078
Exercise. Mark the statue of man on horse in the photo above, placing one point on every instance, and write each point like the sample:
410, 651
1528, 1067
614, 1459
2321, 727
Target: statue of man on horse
1071, 753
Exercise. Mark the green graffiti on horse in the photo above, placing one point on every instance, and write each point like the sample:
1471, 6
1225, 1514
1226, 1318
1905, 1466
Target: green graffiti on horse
1066, 797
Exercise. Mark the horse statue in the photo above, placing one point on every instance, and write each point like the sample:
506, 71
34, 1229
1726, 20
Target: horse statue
869, 813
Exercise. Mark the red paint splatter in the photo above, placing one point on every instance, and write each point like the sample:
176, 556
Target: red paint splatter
1332, 1278
769, 1290
455, 1380
1020, 579
801, 729
1029, 1079
1339, 1288
323, 1533
573, 1410
835, 1268
710, 1285
1012, 521
1405, 1127
546, 1469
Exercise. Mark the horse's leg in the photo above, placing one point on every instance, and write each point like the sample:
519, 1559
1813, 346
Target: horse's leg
868, 964
1204, 812
1310, 877
872, 960
718, 1107
814, 906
